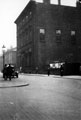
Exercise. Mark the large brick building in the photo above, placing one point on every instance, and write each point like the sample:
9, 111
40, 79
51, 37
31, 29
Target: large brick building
47, 33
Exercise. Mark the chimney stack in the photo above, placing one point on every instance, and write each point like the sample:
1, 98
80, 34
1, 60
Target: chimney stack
78, 3
59, 2
46, 1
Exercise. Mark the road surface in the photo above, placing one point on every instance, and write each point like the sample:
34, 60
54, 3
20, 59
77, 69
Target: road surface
40, 97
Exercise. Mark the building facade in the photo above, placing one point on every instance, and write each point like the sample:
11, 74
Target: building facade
10, 57
48, 33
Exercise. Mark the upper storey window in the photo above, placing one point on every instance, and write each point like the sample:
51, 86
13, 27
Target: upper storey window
58, 35
73, 37
42, 34
42, 31
58, 32
72, 33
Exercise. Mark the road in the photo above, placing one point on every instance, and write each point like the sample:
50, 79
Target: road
43, 98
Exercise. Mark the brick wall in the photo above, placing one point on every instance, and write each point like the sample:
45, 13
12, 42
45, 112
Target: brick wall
63, 18
52, 26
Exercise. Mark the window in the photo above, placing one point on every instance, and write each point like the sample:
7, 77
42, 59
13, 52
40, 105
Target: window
58, 32
42, 34
73, 37
72, 33
42, 31
58, 36
30, 13
26, 17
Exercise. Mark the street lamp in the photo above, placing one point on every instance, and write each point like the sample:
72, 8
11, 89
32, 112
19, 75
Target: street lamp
3, 50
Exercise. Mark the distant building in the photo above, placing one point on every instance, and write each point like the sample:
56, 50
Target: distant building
1, 63
10, 57
48, 33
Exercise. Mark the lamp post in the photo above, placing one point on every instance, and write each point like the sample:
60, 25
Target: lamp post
3, 50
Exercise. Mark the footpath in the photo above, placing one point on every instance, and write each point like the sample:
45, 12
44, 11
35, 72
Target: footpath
17, 82
78, 77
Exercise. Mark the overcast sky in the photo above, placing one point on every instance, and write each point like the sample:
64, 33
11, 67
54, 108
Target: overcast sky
9, 11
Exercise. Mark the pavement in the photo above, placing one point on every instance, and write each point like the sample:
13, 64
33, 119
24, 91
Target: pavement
15, 82
78, 77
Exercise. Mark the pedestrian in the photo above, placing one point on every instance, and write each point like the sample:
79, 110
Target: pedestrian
5, 72
20, 69
48, 71
9, 71
61, 70
80, 70
36, 70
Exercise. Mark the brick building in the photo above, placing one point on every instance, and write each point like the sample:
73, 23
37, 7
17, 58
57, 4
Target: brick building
47, 33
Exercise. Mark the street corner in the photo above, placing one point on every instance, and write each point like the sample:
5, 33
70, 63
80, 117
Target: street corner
13, 83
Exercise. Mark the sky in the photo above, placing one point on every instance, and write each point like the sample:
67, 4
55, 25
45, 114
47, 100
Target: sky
9, 11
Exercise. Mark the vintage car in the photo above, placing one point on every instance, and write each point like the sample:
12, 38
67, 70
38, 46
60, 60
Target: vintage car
15, 72
12, 72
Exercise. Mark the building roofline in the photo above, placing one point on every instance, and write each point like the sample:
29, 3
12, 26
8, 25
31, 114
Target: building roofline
34, 3
26, 7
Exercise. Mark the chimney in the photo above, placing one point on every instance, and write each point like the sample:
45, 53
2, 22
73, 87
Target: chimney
59, 2
78, 3
46, 1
